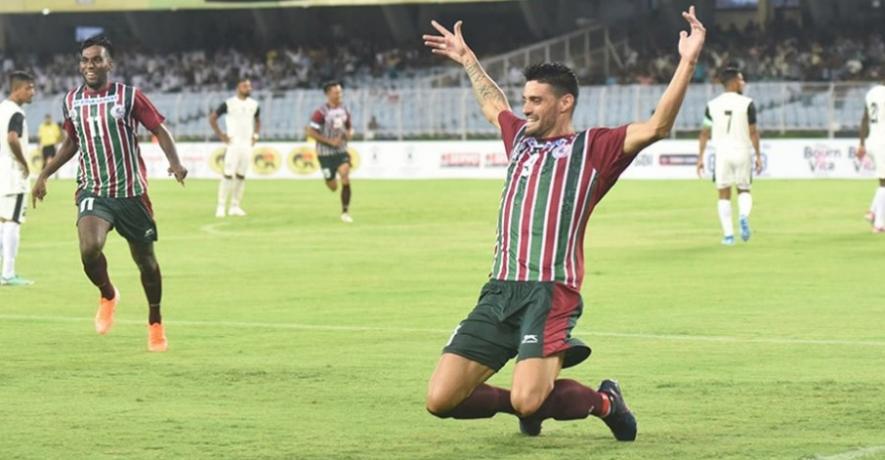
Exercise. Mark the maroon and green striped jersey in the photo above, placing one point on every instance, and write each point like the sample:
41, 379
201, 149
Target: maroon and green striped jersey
104, 125
551, 188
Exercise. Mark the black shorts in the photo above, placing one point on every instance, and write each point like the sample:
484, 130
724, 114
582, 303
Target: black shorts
329, 164
133, 217
48, 152
526, 319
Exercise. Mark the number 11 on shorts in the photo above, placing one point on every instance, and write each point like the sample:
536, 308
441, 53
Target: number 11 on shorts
87, 204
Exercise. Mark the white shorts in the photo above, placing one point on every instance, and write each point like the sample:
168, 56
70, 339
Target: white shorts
877, 152
236, 160
12, 207
733, 170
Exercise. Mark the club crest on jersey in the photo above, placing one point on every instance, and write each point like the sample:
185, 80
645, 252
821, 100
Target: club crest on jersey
561, 148
117, 111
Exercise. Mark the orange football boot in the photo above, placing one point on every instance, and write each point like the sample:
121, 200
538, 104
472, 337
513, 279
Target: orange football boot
157, 338
104, 317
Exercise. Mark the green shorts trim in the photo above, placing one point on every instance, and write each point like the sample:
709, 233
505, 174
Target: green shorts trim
523, 319
132, 217
329, 164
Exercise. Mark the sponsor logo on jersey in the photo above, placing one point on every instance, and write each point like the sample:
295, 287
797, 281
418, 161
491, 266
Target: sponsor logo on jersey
526, 146
86, 101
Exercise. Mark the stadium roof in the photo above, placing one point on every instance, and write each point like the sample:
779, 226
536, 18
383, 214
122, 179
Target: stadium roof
85, 6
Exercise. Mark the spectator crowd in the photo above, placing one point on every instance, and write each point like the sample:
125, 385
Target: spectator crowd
781, 52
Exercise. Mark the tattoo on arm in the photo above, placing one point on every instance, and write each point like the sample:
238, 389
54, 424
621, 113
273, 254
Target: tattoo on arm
484, 89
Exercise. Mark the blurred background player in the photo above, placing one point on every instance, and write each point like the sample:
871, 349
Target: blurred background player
101, 120
872, 140
49, 135
243, 123
330, 125
731, 117
14, 172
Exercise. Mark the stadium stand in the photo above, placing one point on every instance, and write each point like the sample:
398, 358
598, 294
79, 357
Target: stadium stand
802, 78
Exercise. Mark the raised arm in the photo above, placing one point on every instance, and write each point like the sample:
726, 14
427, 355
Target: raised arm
67, 151
164, 138
452, 45
641, 135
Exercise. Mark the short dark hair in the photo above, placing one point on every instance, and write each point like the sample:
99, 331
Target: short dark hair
101, 40
329, 84
555, 74
18, 77
728, 74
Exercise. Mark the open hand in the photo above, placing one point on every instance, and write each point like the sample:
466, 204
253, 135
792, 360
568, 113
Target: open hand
690, 44
451, 45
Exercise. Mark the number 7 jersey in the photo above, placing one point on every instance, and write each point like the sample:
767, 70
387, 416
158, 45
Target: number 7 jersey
104, 126
729, 117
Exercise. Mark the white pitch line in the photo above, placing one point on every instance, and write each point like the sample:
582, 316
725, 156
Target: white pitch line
853, 454
353, 328
734, 339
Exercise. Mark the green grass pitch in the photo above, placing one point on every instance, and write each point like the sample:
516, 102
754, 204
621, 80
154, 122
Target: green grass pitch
293, 335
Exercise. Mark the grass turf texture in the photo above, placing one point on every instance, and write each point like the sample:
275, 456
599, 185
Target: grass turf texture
293, 335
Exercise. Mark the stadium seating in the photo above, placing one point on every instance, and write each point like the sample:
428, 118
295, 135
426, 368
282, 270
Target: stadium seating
452, 112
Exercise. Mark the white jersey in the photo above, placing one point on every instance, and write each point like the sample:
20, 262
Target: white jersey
729, 117
12, 118
875, 104
240, 116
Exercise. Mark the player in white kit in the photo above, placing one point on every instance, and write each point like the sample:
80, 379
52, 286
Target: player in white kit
14, 172
730, 124
242, 121
872, 141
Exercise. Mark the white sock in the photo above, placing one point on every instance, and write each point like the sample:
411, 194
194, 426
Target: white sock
745, 204
10, 247
875, 203
880, 208
239, 188
725, 217
224, 191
